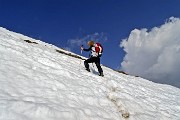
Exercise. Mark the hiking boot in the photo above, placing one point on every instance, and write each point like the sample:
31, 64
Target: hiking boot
88, 69
101, 74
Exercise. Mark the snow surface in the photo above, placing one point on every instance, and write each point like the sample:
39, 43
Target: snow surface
38, 83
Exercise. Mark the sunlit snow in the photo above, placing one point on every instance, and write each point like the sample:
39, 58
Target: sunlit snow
38, 83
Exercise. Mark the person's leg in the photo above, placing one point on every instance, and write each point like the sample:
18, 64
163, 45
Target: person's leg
90, 60
97, 62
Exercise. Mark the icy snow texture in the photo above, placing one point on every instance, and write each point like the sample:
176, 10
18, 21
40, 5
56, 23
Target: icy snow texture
38, 83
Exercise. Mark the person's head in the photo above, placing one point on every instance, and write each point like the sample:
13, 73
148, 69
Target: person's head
90, 43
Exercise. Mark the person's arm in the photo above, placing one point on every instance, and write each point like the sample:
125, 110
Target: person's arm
86, 49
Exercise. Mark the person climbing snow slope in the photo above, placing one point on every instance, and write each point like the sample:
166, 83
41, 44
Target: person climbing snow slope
96, 52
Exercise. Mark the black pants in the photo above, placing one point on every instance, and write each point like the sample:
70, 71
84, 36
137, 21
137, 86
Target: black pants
96, 60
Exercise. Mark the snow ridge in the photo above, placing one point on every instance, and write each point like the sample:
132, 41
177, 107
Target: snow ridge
37, 82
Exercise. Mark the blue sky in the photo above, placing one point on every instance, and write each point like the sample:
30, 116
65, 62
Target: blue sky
58, 21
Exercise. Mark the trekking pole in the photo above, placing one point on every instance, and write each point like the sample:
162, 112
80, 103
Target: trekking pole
81, 49
80, 59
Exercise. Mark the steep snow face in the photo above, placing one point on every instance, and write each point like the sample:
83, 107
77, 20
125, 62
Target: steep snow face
38, 83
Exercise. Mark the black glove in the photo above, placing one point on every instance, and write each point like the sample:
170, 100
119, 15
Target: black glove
99, 54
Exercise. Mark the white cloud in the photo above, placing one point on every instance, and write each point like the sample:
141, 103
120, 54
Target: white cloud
154, 54
97, 37
76, 42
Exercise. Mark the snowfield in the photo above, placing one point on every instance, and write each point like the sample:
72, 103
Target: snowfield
39, 83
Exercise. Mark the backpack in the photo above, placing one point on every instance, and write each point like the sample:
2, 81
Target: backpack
98, 47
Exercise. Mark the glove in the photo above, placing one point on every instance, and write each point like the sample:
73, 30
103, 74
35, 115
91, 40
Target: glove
99, 54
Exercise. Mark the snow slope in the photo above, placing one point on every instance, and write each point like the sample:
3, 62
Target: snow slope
39, 83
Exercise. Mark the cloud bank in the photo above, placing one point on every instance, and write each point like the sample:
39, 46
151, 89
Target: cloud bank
154, 54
